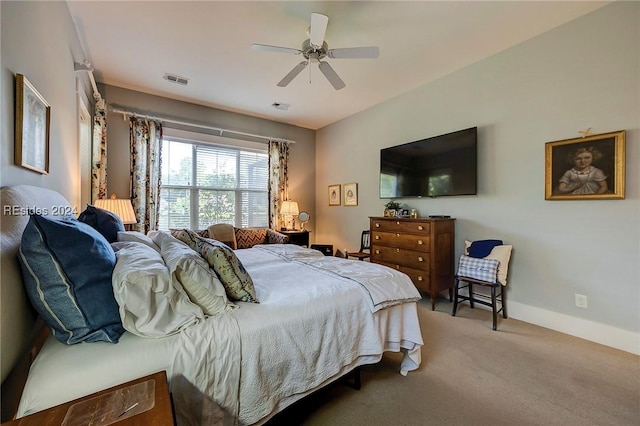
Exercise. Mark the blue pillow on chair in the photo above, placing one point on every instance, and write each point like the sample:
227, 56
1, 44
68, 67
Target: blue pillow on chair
105, 222
482, 248
66, 268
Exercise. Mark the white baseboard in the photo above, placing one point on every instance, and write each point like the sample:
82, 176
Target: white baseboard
607, 335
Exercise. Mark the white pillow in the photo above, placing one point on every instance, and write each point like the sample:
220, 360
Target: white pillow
502, 253
199, 281
137, 237
150, 305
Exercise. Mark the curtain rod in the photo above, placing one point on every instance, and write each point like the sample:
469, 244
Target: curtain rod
202, 126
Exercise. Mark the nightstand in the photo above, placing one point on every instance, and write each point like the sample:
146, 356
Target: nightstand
141, 402
300, 238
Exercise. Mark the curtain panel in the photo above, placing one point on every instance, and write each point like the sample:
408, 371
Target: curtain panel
146, 143
278, 181
99, 151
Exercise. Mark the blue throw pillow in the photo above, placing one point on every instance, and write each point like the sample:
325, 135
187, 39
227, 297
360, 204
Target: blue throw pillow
105, 222
482, 248
66, 268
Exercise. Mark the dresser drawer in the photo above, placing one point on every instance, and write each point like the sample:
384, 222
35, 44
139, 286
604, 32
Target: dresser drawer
420, 278
398, 256
402, 226
405, 241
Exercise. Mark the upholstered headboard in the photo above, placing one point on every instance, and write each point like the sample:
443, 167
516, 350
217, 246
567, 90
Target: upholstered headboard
17, 318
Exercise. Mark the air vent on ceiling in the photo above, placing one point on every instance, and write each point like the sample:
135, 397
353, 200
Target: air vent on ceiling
176, 79
280, 105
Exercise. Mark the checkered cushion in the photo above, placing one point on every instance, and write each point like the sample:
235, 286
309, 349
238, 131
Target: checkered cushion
480, 269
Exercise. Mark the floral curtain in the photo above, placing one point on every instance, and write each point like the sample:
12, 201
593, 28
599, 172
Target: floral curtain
146, 142
278, 180
99, 151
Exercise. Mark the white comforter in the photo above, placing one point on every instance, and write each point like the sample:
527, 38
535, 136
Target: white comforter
312, 325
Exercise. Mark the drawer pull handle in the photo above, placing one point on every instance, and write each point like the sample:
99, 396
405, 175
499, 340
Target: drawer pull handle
420, 242
420, 228
377, 225
398, 267
397, 223
377, 237
397, 250
420, 259
397, 235
377, 251
420, 278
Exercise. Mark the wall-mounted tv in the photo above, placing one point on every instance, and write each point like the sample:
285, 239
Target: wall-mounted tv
433, 167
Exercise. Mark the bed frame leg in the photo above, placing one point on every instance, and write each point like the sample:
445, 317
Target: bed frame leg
355, 374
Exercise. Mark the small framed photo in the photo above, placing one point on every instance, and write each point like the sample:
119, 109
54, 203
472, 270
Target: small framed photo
350, 191
334, 195
33, 120
586, 168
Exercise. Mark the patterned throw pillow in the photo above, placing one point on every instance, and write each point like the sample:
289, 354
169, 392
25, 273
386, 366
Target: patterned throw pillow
67, 266
235, 279
480, 269
249, 237
187, 236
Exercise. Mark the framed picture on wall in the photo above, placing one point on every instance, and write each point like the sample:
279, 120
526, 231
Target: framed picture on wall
33, 120
350, 194
586, 168
334, 195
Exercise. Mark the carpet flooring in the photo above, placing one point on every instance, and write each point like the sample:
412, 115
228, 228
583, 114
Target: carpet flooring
521, 374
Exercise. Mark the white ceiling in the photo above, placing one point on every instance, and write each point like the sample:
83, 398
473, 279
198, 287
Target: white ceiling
133, 44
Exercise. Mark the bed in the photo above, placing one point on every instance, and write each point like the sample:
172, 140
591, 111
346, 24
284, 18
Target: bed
318, 318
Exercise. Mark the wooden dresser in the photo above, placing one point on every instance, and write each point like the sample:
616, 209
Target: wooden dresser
421, 248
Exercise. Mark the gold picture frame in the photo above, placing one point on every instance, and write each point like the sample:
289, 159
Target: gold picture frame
33, 121
334, 195
350, 194
586, 168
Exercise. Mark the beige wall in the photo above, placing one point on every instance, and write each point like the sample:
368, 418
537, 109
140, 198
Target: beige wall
39, 41
302, 153
583, 74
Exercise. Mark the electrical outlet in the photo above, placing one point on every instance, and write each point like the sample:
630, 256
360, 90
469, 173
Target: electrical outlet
581, 301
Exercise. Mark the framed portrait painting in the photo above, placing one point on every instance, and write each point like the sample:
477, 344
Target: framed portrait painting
350, 191
586, 168
33, 120
334, 195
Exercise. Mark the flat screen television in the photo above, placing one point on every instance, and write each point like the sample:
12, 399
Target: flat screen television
433, 167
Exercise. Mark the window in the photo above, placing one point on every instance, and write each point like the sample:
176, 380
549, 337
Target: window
205, 183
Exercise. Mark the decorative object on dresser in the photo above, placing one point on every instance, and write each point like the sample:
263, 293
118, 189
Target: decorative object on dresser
421, 248
591, 167
391, 208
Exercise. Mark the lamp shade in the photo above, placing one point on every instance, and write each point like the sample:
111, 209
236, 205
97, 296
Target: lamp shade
120, 207
289, 208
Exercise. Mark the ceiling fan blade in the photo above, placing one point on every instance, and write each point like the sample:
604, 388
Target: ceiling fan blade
277, 49
293, 73
318, 29
331, 75
370, 52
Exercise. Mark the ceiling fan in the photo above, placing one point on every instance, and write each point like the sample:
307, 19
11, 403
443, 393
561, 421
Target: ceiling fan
315, 49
